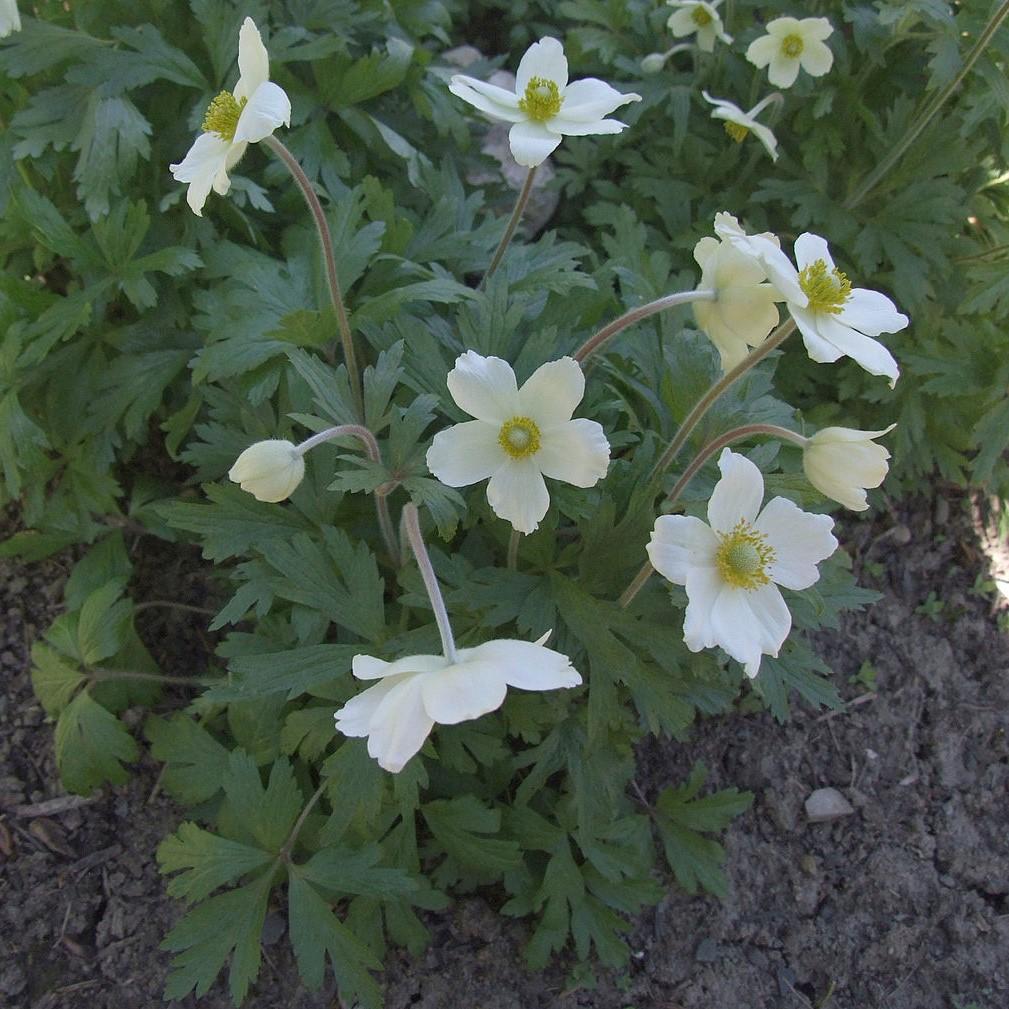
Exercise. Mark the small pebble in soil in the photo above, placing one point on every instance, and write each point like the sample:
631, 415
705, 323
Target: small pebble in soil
827, 804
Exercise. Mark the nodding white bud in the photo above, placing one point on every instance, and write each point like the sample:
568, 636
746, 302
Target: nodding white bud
653, 63
269, 470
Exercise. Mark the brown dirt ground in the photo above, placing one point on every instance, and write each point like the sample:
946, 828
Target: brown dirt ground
900, 905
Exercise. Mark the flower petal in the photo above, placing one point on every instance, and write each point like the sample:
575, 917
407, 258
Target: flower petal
367, 667
761, 51
204, 167
464, 691
517, 493
484, 387
819, 349
354, 718
679, 544
871, 313
869, 353
816, 58
783, 70
268, 109
400, 724
576, 452
253, 60
737, 495
703, 588
767, 138
590, 99
496, 102
552, 392
525, 664
466, 453
573, 128
800, 540
750, 623
542, 59
809, 248
531, 143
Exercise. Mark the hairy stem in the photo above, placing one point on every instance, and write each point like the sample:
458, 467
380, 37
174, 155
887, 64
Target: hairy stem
513, 550
411, 525
513, 223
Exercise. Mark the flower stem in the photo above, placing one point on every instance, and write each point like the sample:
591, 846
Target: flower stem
326, 240
513, 550
513, 223
411, 524
929, 112
736, 434
594, 342
365, 436
285, 852
775, 340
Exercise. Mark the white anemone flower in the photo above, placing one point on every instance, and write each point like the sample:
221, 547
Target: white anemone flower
698, 16
743, 312
835, 319
269, 470
234, 120
414, 693
732, 565
739, 124
841, 463
790, 44
519, 436
545, 107
10, 20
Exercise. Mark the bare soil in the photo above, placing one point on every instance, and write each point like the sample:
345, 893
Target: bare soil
900, 905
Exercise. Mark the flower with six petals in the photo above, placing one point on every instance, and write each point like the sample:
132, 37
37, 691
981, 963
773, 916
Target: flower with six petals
698, 16
545, 107
519, 436
234, 120
790, 44
732, 565
841, 463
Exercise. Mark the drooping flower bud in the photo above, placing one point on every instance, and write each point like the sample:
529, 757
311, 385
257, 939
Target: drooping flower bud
841, 463
269, 470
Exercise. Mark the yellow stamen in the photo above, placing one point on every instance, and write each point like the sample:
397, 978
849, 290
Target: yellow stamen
520, 437
737, 131
743, 557
542, 100
222, 115
791, 46
827, 290
700, 17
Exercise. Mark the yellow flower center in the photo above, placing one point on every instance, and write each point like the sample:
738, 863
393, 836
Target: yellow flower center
700, 17
737, 131
827, 290
222, 115
520, 437
743, 557
791, 45
542, 100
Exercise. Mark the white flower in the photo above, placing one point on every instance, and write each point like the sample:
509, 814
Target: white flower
732, 567
10, 20
545, 107
790, 44
697, 16
738, 124
414, 693
841, 462
251, 113
269, 470
743, 312
835, 319
519, 436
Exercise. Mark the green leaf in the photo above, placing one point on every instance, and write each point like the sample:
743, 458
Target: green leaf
342, 871
295, 671
105, 562
266, 814
103, 623
195, 762
90, 745
205, 861
229, 924
54, 680
460, 826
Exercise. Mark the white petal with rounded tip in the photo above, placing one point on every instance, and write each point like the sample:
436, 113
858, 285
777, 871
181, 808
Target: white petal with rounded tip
268, 109
253, 60
749, 624
463, 691
367, 667
354, 718
782, 71
531, 143
737, 495
703, 588
517, 493
679, 544
761, 51
466, 453
871, 313
819, 349
816, 58
599, 127
526, 664
400, 724
542, 59
591, 99
869, 353
484, 387
489, 98
682, 22
10, 19
552, 392
203, 167
767, 138
819, 29
809, 248
576, 452
787, 25
800, 540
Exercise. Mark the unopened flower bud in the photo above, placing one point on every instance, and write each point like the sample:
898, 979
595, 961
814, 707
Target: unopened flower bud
269, 470
653, 63
841, 462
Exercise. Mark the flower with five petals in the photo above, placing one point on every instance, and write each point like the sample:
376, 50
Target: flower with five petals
698, 16
234, 120
545, 107
790, 44
732, 564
